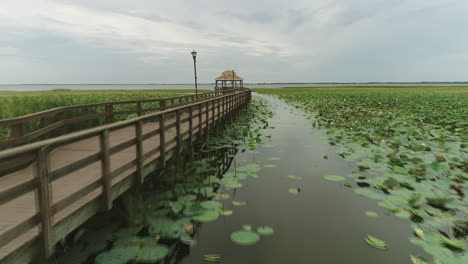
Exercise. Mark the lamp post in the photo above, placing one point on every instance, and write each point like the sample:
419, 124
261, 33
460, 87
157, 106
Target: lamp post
194, 55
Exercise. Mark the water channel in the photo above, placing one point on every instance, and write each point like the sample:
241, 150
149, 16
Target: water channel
324, 223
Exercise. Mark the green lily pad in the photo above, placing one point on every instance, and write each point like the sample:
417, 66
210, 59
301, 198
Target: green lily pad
371, 214
294, 191
151, 254
368, 193
376, 243
270, 166
245, 238
210, 204
265, 230
294, 177
227, 212
212, 257
207, 216
274, 158
117, 255
193, 209
247, 227
334, 178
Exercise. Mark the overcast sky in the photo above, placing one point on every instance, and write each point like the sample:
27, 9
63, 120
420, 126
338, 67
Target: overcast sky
149, 41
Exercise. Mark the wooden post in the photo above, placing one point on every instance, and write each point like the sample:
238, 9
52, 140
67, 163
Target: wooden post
44, 200
162, 139
178, 138
139, 151
18, 130
200, 119
162, 104
105, 170
109, 113
191, 125
207, 117
213, 114
61, 117
139, 109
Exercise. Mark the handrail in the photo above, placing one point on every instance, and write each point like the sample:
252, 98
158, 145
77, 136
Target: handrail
17, 125
208, 113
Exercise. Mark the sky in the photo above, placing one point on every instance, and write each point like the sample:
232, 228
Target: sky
149, 41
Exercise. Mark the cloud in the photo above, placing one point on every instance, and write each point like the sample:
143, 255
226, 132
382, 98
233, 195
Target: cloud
294, 40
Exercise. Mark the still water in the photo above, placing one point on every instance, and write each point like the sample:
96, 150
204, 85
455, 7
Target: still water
44, 87
325, 223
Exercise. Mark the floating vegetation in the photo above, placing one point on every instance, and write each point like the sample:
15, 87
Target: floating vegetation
376, 243
411, 146
371, 214
245, 238
239, 203
265, 230
334, 178
226, 212
294, 177
274, 158
212, 257
294, 191
207, 216
270, 166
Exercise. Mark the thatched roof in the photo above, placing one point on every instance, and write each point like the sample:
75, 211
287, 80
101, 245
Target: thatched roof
229, 75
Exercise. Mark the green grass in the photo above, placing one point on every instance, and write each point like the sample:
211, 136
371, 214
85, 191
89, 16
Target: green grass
410, 144
14, 104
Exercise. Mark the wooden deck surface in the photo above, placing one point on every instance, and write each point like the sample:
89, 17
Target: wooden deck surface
25, 206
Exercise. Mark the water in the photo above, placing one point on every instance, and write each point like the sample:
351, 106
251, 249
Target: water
324, 223
44, 87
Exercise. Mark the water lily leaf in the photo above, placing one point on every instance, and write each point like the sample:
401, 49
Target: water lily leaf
294, 177
294, 191
348, 184
371, 214
368, 193
457, 244
265, 230
193, 209
227, 212
207, 216
334, 178
117, 255
151, 254
245, 238
212, 257
210, 204
274, 158
270, 166
247, 227
417, 260
239, 203
376, 243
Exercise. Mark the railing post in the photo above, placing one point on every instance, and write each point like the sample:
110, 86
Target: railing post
105, 170
44, 199
162, 139
139, 151
162, 104
213, 114
191, 131
61, 117
200, 123
18, 130
109, 113
207, 108
139, 109
178, 138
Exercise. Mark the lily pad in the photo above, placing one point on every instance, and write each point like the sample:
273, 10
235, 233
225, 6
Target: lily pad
239, 203
265, 230
294, 191
368, 193
226, 212
247, 227
270, 166
334, 178
207, 216
245, 238
151, 254
376, 243
210, 204
294, 177
118, 255
212, 257
193, 209
371, 214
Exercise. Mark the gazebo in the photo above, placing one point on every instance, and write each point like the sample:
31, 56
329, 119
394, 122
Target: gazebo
229, 80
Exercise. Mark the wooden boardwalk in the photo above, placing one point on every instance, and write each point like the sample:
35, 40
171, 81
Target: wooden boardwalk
79, 174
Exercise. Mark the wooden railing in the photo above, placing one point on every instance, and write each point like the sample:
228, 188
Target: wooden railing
55, 120
190, 121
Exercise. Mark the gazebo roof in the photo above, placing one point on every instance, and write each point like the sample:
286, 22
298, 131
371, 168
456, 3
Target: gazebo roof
229, 75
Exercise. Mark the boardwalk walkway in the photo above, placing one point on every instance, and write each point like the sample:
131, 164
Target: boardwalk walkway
78, 175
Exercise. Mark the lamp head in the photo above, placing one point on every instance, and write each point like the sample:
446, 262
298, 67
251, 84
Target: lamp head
194, 54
